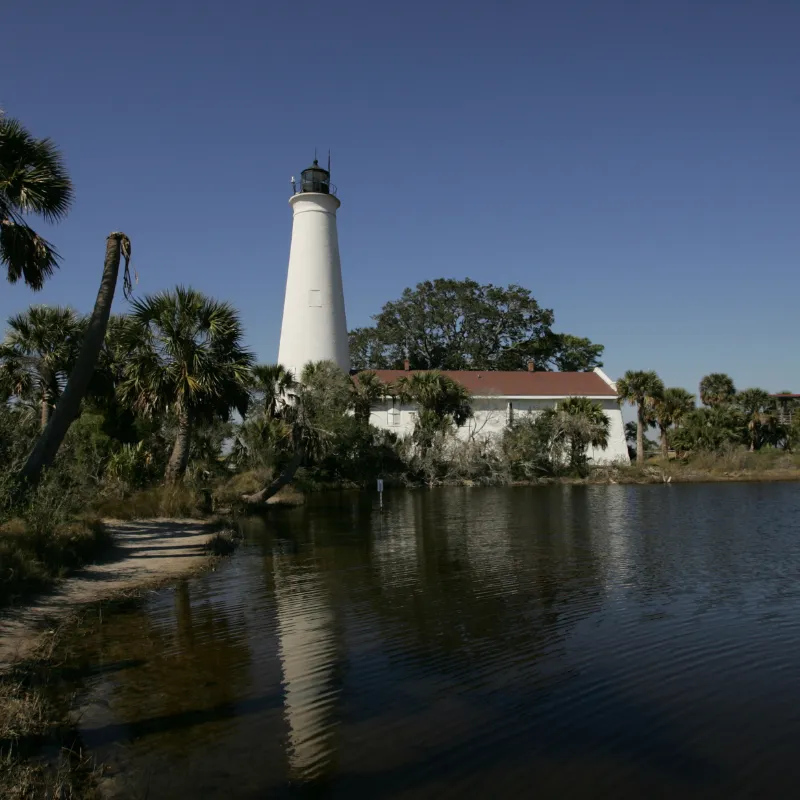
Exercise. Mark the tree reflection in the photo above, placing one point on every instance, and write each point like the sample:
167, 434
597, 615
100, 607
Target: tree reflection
187, 674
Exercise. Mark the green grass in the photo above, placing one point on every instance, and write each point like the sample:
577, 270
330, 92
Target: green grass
159, 501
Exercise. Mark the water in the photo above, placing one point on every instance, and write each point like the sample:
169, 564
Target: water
575, 642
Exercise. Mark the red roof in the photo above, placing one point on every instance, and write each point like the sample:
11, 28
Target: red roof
518, 384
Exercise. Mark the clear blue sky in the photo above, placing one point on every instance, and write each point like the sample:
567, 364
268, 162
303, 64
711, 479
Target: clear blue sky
633, 163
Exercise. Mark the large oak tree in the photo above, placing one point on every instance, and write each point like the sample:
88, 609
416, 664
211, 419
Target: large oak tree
461, 324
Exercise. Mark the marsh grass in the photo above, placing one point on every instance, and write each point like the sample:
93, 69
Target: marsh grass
41, 755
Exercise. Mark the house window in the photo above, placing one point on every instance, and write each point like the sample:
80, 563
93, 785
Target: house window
394, 416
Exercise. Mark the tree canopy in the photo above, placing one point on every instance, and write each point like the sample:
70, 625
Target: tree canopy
33, 180
461, 324
717, 389
38, 353
186, 357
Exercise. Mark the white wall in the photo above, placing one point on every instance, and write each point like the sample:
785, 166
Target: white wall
491, 417
314, 326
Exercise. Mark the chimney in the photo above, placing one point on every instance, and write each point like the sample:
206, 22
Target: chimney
531, 366
406, 365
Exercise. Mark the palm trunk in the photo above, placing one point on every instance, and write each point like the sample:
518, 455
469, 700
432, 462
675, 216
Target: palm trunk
176, 468
46, 409
68, 408
664, 443
284, 479
640, 434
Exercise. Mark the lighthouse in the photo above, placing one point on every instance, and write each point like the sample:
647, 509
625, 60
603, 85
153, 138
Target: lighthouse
314, 326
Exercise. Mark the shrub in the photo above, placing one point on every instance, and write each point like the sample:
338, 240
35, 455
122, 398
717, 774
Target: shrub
131, 466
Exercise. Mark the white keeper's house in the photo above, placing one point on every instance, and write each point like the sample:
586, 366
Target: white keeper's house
498, 398
314, 328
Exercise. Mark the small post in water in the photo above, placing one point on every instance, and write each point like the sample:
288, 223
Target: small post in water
380, 492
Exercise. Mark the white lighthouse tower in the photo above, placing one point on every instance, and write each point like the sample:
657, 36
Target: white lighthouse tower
314, 326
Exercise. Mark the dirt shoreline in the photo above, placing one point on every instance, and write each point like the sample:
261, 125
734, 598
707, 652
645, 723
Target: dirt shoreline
144, 553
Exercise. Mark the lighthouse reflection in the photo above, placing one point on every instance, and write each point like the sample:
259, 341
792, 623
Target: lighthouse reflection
307, 649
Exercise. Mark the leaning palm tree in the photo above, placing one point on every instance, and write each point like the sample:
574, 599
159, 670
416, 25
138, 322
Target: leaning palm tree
303, 433
669, 409
367, 389
186, 358
640, 388
38, 353
33, 180
717, 389
118, 245
272, 385
301, 439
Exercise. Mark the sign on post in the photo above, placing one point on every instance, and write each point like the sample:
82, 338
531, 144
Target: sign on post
380, 484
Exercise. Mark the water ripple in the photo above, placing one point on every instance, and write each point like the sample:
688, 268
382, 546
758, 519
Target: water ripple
569, 641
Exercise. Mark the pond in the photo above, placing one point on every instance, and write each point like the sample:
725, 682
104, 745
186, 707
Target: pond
609, 641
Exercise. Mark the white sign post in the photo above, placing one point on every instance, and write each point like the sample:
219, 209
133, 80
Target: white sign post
380, 491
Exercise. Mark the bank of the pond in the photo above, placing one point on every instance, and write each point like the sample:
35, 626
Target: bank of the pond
626, 476
143, 555
671, 472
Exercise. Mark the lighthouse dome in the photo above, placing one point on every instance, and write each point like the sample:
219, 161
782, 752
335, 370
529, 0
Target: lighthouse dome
315, 179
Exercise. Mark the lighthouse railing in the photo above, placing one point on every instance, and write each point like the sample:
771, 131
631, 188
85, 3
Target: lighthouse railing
299, 187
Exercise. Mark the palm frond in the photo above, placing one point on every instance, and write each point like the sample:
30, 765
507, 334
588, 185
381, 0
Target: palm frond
33, 176
186, 353
26, 254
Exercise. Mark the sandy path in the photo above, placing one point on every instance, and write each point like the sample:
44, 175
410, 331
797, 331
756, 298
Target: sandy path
144, 552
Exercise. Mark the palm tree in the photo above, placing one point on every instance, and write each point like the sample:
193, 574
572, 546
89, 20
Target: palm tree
640, 388
669, 409
187, 358
583, 423
759, 412
367, 389
432, 391
118, 246
440, 401
38, 352
272, 383
717, 389
33, 180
